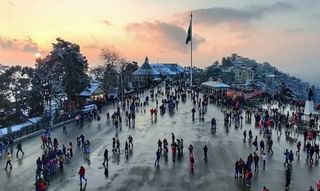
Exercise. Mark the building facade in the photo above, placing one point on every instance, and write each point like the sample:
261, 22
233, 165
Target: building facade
242, 74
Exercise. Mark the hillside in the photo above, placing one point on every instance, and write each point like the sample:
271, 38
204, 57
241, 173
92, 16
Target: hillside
262, 76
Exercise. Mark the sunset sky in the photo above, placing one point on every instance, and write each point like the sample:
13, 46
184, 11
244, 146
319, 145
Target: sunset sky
284, 33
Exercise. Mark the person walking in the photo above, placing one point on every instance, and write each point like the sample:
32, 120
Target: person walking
64, 130
19, 149
244, 135
1, 149
248, 177
156, 162
118, 146
173, 138
270, 143
291, 156
160, 146
236, 169
288, 178
286, 157
192, 161
190, 150
39, 169
82, 173
261, 146
126, 149
70, 149
181, 144
45, 173
255, 143
174, 150
193, 112
106, 160
298, 149
8, 161
250, 136
263, 156
205, 152
256, 162
130, 142
113, 144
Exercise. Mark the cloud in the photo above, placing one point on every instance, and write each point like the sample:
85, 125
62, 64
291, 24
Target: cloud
30, 46
106, 22
7, 44
164, 35
27, 45
223, 15
295, 30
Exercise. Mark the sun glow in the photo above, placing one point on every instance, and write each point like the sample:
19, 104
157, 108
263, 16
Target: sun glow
37, 55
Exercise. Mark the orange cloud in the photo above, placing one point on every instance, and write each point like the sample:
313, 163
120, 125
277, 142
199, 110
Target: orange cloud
163, 35
27, 45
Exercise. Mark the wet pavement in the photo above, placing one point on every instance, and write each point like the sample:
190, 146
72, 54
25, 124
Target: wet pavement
138, 171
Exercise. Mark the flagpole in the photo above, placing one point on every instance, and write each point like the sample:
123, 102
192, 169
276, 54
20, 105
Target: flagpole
191, 55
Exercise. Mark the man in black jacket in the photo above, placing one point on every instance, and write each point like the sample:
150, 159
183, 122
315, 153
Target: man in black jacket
105, 158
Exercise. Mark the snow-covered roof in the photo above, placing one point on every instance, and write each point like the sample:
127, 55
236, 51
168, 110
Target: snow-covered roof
18, 127
146, 69
163, 69
215, 84
92, 89
175, 67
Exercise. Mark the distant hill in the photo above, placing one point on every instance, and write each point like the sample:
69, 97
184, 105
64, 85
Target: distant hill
267, 77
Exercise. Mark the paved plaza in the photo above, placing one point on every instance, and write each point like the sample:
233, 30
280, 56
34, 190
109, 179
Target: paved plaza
138, 171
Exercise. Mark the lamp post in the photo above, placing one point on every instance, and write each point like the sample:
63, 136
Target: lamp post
121, 82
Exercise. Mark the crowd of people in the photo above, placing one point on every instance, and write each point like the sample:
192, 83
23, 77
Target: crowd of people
56, 155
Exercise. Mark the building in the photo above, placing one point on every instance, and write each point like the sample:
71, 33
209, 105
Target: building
227, 77
242, 74
163, 69
15, 131
168, 69
92, 94
175, 68
214, 86
145, 74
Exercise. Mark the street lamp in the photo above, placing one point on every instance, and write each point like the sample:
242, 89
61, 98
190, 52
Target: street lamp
122, 88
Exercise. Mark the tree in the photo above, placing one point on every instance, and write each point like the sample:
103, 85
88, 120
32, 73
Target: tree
113, 58
63, 71
284, 94
128, 71
15, 87
68, 59
214, 71
107, 75
5, 111
226, 62
115, 71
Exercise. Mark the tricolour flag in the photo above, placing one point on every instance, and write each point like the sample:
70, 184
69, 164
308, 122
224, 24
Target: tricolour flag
189, 33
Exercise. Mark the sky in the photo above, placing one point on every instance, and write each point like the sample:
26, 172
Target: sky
285, 33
